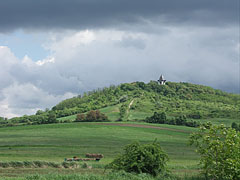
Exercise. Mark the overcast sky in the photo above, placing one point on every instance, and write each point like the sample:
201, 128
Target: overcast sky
53, 50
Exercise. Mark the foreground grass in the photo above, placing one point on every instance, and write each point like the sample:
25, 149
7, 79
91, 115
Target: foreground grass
103, 176
54, 142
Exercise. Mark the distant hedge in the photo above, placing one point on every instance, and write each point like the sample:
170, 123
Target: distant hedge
161, 118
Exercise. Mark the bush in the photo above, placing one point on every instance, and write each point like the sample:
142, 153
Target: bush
159, 118
219, 148
236, 126
137, 158
92, 116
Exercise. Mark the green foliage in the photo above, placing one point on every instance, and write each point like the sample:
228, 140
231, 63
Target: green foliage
219, 148
161, 118
52, 118
137, 158
123, 110
193, 101
236, 126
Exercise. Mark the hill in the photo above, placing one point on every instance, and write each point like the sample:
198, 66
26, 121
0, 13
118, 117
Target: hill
136, 101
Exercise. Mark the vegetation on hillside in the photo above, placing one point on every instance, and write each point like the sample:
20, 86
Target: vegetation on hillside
92, 116
161, 118
142, 100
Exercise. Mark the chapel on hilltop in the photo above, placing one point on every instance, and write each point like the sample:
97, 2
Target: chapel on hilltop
161, 80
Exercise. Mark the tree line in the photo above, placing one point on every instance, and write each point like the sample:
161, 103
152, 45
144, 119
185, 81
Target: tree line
161, 118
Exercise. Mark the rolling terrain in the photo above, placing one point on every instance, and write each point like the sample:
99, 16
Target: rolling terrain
53, 134
54, 142
136, 101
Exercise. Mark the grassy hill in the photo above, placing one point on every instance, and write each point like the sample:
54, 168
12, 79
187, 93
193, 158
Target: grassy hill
136, 101
143, 99
129, 103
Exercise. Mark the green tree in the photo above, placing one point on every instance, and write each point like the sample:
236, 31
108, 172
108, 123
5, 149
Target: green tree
39, 112
123, 110
235, 126
52, 118
141, 158
219, 148
159, 118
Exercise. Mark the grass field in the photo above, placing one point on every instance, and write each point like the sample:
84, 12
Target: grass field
54, 142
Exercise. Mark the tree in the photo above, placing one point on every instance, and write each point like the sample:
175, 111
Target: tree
123, 110
159, 118
141, 158
235, 126
91, 116
95, 116
219, 148
80, 117
52, 118
39, 112
181, 120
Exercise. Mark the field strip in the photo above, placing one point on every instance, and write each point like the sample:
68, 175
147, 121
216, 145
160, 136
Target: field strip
143, 126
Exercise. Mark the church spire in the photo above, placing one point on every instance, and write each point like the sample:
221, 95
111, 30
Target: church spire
161, 80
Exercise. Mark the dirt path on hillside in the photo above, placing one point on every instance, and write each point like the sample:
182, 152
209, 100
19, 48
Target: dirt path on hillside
143, 126
129, 106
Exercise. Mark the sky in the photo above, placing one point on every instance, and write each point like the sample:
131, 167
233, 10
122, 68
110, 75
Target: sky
54, 50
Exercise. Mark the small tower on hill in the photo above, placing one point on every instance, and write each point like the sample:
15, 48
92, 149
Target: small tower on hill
161, 80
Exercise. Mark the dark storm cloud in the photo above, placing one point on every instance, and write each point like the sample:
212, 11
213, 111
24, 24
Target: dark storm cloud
53, 14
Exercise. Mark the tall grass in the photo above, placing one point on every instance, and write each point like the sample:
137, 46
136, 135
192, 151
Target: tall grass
110, 176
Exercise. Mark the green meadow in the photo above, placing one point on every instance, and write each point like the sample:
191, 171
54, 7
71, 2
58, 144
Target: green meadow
54, 142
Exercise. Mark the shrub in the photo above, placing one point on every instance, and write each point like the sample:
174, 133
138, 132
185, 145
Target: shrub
92, 116
80, 117
236, 126
137, 158
159, 118
219, 148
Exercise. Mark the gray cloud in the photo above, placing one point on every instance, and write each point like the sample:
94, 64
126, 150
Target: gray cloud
131, 42
45, 14
88, 60
128, 40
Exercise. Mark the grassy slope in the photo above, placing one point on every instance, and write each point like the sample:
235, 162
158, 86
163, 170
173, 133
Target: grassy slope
145, 102
141, 100
58, 141
173, 98
113, 114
